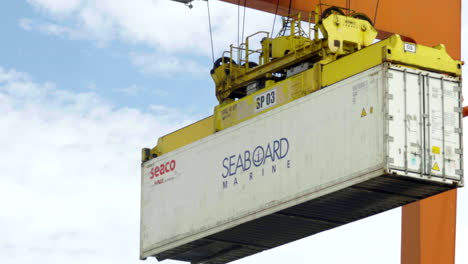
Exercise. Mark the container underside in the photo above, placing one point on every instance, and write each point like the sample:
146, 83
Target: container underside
323, 213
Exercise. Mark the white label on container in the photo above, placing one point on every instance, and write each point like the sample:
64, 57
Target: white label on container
410, 47
265, 100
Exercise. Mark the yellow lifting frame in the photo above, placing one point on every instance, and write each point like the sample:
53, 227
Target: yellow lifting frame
392, 50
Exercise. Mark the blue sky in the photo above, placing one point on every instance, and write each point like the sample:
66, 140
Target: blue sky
84, 85
103, 66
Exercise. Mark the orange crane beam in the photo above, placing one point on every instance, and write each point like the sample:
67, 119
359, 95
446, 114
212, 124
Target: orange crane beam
428, 22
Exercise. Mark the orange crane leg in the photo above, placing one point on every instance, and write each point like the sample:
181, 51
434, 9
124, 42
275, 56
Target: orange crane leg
428, 230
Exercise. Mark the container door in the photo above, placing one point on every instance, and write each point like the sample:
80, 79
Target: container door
405, 120
443, 122
424, 124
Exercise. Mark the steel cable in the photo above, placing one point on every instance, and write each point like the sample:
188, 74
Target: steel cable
211, 32
238, 22
274, 20
243, 22
375, 16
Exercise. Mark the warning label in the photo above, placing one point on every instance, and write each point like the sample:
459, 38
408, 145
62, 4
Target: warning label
436, 167
363, 112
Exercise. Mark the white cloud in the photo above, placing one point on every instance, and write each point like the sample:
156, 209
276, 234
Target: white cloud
51, 29
171, 29
26, 24
54, 29
163, 110
161, 24
56, 7
70, 173
167, 64
131, 90
134, 90
159, 92
91, 86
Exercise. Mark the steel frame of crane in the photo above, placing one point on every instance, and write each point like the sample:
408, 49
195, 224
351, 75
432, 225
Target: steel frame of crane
426, 22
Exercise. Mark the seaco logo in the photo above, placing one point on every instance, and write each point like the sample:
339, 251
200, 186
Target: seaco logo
258, 156
162, 169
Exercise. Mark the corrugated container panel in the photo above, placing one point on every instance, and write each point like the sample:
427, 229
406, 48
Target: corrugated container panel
378, 140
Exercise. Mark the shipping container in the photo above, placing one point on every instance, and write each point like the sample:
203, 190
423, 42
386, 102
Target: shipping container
383, 138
